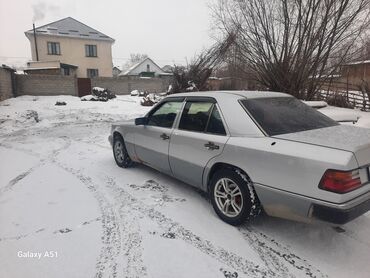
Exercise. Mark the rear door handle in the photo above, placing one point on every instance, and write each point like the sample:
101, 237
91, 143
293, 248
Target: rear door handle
164, 136
211, 146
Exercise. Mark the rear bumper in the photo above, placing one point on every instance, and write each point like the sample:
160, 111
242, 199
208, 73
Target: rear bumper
296, 207
339, 215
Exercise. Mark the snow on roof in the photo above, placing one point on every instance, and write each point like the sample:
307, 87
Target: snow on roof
70, 27
41, 68
246, 94
358, 63
134, 66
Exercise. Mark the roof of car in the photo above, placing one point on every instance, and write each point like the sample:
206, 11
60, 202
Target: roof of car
246, 94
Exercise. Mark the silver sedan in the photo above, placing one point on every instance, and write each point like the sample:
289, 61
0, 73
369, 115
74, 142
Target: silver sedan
253, 152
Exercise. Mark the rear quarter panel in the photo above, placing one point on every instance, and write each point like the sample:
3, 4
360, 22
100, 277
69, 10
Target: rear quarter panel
289, 166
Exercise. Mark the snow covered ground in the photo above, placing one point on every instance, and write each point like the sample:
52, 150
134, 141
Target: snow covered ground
64, 202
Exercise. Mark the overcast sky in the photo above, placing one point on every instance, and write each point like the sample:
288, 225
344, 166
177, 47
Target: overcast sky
169, 31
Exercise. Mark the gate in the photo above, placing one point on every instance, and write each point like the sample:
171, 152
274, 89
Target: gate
84, 86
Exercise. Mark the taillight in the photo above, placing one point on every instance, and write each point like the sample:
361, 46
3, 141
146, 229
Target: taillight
340, 181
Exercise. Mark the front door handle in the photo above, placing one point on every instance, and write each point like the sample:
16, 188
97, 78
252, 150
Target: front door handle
211, 146
164, 136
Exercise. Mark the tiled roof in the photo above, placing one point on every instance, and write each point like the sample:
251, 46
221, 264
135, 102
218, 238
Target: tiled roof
70, 27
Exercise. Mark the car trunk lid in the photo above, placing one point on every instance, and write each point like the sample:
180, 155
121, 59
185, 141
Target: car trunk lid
343, 137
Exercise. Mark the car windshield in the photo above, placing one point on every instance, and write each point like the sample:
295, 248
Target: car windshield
281, 115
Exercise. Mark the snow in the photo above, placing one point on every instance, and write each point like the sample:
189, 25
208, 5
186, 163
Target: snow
349, 116
359, 62
135, 93
99, 89
61, 191
316, 104
13, 112
89, 97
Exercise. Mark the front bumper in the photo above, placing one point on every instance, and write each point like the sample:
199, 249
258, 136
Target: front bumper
110, 139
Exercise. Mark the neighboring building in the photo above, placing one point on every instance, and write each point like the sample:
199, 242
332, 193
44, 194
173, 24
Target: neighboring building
116, 71
77, 48
356, 73
145, 68
51, 67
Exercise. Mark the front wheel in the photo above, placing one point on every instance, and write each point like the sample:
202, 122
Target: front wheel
120, 152
233, 197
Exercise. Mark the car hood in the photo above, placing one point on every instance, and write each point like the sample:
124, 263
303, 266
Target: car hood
343, 137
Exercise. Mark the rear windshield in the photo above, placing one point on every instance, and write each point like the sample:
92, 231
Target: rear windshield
281, 115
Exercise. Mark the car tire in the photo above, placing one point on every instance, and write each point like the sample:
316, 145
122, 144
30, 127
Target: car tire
233, 197
120, 153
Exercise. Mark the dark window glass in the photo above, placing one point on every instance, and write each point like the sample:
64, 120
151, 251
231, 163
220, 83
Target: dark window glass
281, 115
91, 50
165, 115
53, 48
195, 116
215, 124
92, 73
66, 71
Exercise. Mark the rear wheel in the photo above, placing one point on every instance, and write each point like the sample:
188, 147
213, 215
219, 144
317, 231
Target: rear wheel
233, 197
120, 152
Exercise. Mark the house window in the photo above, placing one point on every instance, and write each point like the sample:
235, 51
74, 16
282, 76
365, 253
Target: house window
66, 71
148, 68
53, 48
92, 73
91, 50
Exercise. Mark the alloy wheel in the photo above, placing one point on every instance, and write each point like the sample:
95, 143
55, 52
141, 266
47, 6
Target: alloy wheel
228, 197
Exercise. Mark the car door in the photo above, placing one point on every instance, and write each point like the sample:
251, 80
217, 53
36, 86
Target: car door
201, 135
152, 140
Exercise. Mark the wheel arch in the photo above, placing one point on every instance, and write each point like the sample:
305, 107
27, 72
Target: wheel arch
221, 165
117, 133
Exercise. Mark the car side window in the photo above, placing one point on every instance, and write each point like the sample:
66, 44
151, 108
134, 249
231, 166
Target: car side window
215, 125
165, 115
195, 116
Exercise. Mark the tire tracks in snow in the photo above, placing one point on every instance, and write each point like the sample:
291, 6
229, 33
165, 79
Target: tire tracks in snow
17, 179
275, 255
106, 265
44, 230
49, 158
121, 234
205, 246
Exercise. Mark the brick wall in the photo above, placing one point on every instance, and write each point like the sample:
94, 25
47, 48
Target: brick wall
6, 89
45, 85
125, 84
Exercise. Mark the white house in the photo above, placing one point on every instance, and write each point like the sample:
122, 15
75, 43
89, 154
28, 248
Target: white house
145, 68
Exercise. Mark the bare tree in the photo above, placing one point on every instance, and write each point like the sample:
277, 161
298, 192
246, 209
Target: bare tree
293, 45
195, 75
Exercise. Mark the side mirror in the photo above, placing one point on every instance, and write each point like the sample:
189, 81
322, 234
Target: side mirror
141, 121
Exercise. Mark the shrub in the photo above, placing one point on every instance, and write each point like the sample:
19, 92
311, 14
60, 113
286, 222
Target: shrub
102, 94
